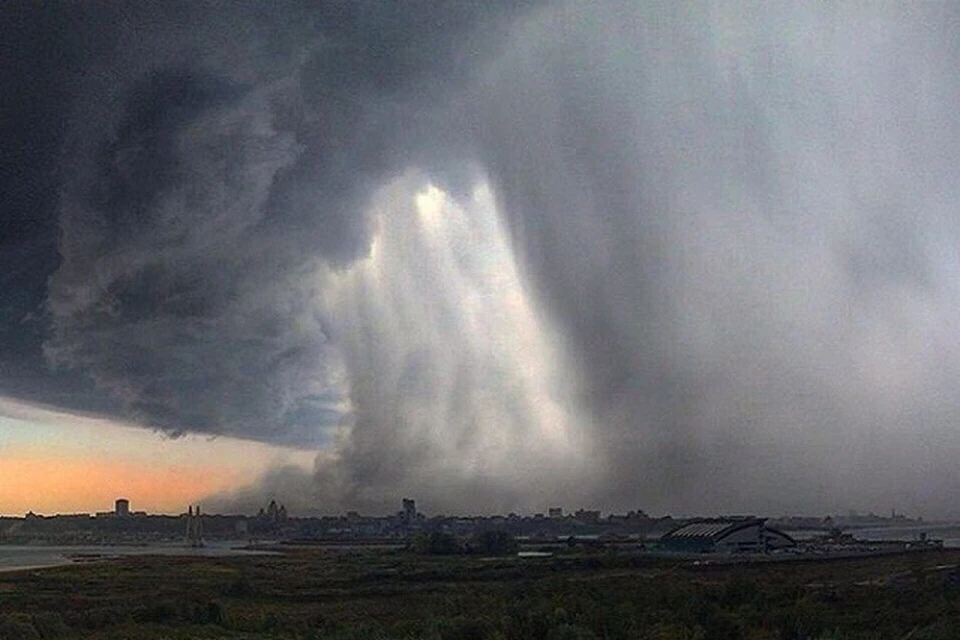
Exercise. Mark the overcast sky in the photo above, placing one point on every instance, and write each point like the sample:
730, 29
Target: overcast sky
684, 257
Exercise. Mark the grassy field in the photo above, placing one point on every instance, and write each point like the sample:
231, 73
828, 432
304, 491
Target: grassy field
377, 594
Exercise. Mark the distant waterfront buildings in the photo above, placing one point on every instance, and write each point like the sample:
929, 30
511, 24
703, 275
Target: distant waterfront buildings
274, 515
581, 526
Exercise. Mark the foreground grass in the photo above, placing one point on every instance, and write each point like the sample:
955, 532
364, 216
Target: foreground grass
391, 595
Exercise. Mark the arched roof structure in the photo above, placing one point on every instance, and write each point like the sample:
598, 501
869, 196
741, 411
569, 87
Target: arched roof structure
725, 534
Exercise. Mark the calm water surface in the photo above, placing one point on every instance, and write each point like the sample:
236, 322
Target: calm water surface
13, 557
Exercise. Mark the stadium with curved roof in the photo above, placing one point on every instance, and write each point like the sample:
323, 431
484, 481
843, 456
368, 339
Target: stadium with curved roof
730, 535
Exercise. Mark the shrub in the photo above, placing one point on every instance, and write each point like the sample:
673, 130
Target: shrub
739, 591
436, 543
362, 632
158, 612
17, 626
457, 628
50, 625
103, 617
940, 630
240, 588
206, 613
571, 632
496, 543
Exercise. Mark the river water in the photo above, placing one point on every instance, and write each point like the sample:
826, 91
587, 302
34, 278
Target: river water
14, 557
949, 533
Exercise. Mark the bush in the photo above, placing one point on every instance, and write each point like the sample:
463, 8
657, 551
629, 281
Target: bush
50, 625
571, 632
206, 613
103, 617
240, 588
940, 630
362, 632
739, 591
156, 613
17, 626
457, 628
437, 543
496, 543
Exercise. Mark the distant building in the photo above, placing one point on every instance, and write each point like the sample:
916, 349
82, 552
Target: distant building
275, 514
555, 512
729, 535
121, 508
409, 513
587, 516
194, 533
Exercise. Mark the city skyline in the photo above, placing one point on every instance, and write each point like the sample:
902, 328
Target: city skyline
409, 510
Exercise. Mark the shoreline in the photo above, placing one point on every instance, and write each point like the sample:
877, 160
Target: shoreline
18, 568
14, 558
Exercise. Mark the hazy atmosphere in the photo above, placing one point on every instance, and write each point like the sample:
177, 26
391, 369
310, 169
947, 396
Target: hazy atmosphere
682, 257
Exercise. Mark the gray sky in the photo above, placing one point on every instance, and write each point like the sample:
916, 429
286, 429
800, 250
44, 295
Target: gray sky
630, 255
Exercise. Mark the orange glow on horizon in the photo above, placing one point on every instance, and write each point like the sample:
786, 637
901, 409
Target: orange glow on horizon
53, 462
66, 485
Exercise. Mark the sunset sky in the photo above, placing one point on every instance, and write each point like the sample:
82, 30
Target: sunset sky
60, 463
496, 256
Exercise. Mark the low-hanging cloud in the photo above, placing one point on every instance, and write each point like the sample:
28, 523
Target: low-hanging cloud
628, 254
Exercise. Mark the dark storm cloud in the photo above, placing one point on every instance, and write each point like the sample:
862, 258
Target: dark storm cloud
716, 267
34, 78
210, 165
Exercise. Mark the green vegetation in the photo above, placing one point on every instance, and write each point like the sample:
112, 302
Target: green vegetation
376, 595
486, 543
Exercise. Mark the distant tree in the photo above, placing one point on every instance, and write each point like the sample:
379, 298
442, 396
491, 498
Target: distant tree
437, 543
495, 543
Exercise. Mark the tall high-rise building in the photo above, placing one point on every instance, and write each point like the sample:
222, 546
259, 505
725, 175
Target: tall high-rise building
121, 508
409, 510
